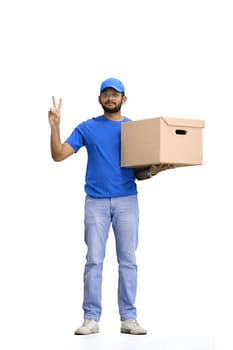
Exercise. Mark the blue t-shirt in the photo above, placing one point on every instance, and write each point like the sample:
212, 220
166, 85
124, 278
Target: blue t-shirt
104, 175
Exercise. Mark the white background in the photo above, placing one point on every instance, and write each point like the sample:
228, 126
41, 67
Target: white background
175, 59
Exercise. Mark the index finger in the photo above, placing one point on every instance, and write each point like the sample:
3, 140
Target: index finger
54, 102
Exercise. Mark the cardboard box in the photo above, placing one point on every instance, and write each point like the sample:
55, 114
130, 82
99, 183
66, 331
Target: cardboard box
161, 140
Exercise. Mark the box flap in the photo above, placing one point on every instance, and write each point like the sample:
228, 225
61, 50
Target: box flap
197, 123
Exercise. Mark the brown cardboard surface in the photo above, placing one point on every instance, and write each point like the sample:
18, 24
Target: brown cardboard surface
161, 140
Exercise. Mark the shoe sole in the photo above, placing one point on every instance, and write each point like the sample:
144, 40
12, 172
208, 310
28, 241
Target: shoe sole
127, 331
92, 332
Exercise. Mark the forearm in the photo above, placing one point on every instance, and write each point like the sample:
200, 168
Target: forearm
55, 144
148, 172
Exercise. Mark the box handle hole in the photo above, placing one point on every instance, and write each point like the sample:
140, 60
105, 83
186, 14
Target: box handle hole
181, 132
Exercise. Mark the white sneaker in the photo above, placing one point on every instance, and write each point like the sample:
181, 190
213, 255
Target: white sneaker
132, 327
88, 327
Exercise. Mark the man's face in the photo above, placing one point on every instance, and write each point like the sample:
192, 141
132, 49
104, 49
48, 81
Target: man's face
111, 100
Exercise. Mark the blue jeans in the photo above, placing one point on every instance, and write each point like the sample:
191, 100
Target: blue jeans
123, 214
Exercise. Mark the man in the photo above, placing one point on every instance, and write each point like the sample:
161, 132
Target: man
111, 199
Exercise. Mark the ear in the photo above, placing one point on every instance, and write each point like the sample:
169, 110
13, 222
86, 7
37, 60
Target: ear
124, 99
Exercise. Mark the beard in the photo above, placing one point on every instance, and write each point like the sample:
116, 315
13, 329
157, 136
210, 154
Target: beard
112, 110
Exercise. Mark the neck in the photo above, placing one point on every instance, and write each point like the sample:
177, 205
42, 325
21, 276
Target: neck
113, 116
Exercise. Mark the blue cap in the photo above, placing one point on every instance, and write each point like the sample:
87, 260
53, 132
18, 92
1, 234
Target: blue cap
112, 83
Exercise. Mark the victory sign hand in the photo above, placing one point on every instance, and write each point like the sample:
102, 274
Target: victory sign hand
54, 113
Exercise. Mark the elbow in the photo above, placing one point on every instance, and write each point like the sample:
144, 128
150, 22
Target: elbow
56, 158
60, 153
